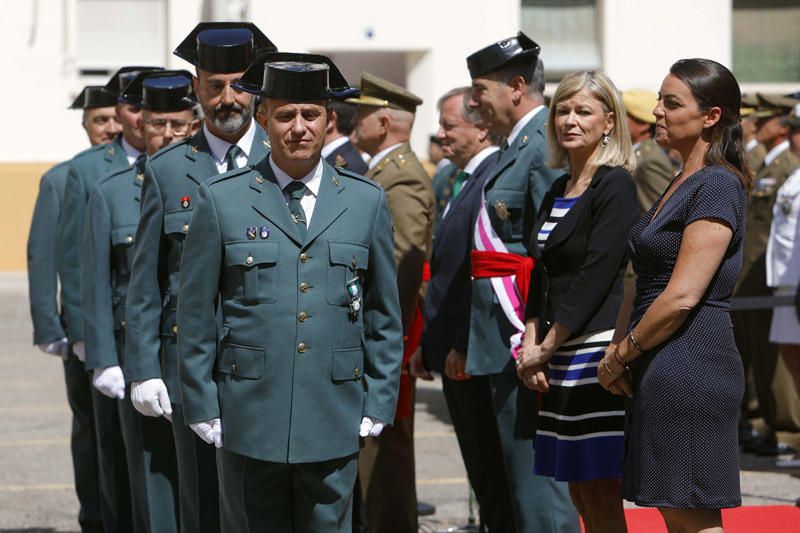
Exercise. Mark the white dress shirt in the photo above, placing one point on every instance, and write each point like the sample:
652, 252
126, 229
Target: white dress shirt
130, 152
773, 154
380, 155
783, 247
219, 147
473, 164
311, 180
329, 148
521, 123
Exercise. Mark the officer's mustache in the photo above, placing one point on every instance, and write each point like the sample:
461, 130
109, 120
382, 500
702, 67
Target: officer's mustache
228, 109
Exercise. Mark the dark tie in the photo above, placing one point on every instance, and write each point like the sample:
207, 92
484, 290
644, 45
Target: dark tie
461, 177
296, 191
504, 145
230, 158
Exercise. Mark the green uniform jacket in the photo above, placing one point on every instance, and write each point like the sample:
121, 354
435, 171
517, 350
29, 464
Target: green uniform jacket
171, 175
759, 219
410, 198
653, 173
514, 192
85, 169
42, 255
295, 370
111, 218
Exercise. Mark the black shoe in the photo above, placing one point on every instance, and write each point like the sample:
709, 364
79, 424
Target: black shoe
425, 509
748, 434
797, 502
773, 449
759, 442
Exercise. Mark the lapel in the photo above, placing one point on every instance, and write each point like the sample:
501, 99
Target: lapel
330, 203
509, 157
567, 225
138, 179
260, 147
202, 165
271, 204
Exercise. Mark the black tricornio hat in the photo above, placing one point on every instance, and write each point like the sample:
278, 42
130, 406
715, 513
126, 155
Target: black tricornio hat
121, 78
93, 96
295, 76
164, 90
223, 47
501, 53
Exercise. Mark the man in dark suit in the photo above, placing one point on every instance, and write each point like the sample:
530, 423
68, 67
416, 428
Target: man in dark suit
229, 139
100, 122
507, 84
338, 150
468, 145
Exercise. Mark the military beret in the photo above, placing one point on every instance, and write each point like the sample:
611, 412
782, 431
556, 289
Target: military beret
121, 78
639, 104
378, 92
93, 96
773, 105
165, 91
793, 120
295, 76
501, 53
223, 47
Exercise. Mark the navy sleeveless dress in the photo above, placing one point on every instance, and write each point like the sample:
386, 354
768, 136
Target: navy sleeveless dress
681, 447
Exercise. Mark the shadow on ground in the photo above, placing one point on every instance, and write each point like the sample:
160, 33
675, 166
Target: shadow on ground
433, 402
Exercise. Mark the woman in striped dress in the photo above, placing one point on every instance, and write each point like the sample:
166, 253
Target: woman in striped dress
576, 291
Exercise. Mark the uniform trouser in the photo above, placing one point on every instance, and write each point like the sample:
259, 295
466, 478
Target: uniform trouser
197, 476
152, 469
115, 495
261, 496
83, 443
472, 413
387, 476
539, 503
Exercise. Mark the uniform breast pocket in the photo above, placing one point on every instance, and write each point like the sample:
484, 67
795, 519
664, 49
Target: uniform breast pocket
256, 265
348, 261
176, 223
505, 208
122, 239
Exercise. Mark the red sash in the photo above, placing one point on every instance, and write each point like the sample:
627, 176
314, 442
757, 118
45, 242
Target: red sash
410, 344
497, 264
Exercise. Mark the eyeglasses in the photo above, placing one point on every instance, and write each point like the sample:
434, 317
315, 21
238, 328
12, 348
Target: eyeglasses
179, 127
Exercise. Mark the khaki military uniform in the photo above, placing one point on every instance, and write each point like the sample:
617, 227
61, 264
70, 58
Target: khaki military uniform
653, 174
774, 388
386, 465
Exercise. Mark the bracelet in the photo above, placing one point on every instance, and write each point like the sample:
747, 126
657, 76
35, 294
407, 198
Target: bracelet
618, 358
608, 369
635, 342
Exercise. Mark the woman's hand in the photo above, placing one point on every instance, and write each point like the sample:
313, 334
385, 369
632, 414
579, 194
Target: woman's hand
612, 376
533, 355
534, 377
622, 385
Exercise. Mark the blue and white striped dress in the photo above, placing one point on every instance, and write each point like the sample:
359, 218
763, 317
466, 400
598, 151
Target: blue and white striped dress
580, 429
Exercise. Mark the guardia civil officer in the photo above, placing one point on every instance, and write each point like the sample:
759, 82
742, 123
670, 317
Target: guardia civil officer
507, 84
101, 126
383, 129
338, 149
112, 215
85, 170
229, 138
299, 256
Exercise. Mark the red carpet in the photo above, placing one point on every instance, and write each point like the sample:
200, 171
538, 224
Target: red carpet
759, 519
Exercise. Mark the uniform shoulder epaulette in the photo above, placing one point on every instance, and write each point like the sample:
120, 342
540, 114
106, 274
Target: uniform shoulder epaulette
229, 175
169, 148
350, 174
89, 151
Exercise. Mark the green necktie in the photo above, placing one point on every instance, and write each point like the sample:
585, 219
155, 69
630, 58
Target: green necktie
230, 158
461, 177
297, 190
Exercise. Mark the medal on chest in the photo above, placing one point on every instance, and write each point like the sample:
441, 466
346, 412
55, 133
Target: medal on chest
786, 206
501, 209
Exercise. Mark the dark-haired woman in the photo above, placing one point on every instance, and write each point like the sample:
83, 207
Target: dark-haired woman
674, 343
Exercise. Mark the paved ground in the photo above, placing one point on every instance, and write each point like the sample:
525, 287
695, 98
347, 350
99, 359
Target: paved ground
36, 493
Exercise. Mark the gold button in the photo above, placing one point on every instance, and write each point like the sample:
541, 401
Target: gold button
303, 316
129, 238
303, 257
301, 347
175, 329
249, 260
123, 323
304, 287
233, 366
355, 372
186, 228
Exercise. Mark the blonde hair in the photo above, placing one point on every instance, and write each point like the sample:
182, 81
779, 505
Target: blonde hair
619, 151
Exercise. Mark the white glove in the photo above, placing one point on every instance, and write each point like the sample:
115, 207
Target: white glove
59, 347
80, 351
210, 431
150, 397
370, 427
109, 381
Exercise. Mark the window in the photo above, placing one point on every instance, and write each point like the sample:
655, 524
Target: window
765, 40
567, 32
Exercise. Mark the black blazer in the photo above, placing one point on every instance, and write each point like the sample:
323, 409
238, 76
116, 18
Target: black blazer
346, 156
577, 278
449, 292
